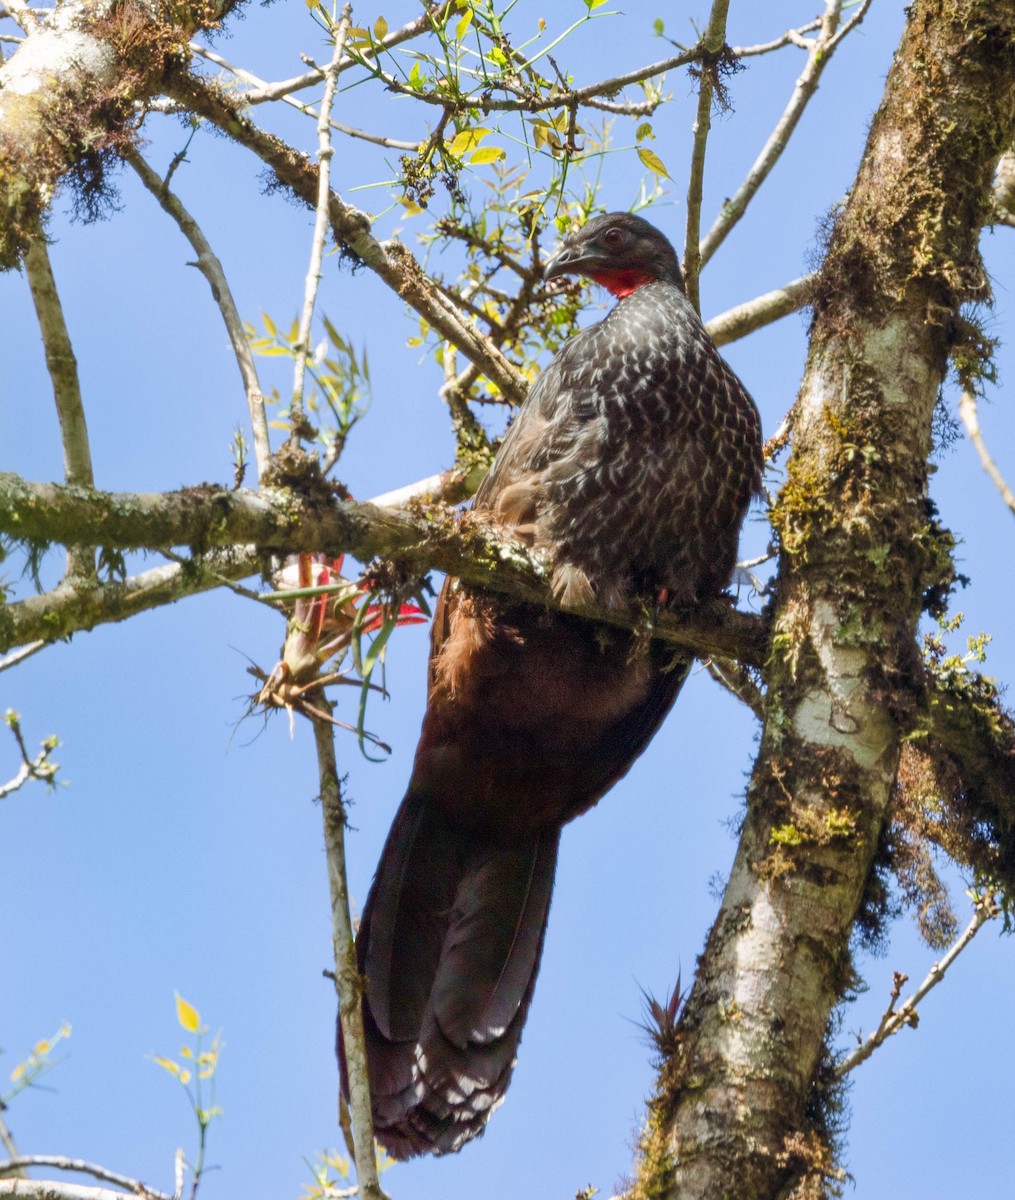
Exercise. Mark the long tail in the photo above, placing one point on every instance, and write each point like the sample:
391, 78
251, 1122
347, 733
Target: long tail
449, 943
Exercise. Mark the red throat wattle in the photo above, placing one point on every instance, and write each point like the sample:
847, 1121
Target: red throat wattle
622, 281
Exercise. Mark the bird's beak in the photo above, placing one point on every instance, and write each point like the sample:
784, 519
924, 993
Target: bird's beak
572, 260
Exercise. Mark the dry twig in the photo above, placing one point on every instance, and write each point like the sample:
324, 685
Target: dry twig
986, 909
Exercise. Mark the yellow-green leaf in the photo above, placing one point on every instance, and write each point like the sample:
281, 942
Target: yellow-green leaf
462, 28
486, 154
269, 324
467, 140
187, 1015
166, 1064
655, 164
380, 29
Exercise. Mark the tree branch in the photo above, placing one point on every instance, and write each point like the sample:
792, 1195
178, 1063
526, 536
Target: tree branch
820, 54
325, 153
971, 420
763, 310
76, 605
84, 56
391, 260
347, 977
81, 1167
263, 92
63, 373
711, 46
211, 268
734, 1101
894, 1019
280, 521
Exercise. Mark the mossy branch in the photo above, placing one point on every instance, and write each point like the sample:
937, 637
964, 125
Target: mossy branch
278, 520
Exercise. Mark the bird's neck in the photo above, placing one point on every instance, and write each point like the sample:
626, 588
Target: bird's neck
622, 281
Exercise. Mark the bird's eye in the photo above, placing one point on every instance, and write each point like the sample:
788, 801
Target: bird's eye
613, 237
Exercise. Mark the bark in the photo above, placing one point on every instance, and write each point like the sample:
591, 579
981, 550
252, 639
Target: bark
67, 99
742, 1105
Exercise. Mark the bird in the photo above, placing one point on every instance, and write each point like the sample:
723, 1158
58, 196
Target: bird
629, 469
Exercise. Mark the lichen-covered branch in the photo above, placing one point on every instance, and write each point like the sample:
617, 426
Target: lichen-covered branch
279, 520
76, 604
67, 98
63, 374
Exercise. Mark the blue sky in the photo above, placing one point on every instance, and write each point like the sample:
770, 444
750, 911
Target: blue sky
184, 852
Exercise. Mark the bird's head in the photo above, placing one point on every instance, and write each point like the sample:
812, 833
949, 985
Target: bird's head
619, 251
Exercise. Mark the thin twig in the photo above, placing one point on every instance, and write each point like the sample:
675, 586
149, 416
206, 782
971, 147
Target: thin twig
18, 656
986, 909
821, 51
281, 91
533, 103
211, 268
971, 420
63, 373
325, 153
347, 977
739, 682
711, 46
38, 767
390, 260
792, 37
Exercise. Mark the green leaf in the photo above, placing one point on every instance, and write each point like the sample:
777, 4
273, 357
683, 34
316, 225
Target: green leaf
655, 164
644, 131
657, 27
380, 29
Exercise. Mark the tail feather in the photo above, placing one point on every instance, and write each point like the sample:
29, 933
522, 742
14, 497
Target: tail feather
450, 943
494, 937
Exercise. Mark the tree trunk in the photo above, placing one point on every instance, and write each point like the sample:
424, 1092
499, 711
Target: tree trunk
742, 1105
